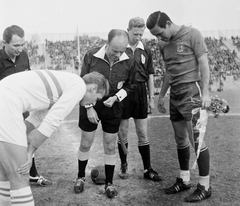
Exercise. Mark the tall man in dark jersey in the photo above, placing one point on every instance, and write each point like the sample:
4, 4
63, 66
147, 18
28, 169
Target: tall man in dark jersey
14, 59
136, 104
187, 73
111, 61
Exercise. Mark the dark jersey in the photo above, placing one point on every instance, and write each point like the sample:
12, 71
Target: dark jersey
143, 57
8, 67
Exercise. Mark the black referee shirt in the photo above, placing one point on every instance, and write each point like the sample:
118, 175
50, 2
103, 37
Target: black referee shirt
8, 67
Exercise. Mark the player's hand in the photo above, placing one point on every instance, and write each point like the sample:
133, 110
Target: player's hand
151, 104
25, 168
206, 101
110, 101
92, 115
160, 105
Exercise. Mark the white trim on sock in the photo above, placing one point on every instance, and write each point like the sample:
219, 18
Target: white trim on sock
110, 159
185, 175
22, 197
82, 156
204, 181
5, 191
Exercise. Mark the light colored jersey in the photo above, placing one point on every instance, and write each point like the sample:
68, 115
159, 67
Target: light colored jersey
49, 96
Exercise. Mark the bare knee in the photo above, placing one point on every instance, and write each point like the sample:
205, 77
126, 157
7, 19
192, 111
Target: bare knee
85, 145
109, 145
123, 129
86, 141
141, 129
123, 133
181, 141
142, 135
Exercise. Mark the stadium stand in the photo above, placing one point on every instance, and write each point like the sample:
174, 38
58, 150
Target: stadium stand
224, 56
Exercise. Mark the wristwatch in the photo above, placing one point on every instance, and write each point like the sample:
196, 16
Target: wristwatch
87, 106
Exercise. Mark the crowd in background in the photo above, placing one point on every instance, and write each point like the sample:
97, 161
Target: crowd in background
236, 42
60, 54
33, 54
222, 62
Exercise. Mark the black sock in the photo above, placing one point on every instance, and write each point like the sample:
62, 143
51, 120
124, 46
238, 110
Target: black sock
204, 162
33, 170
184, 157
109, 172
145, 153
123, 157
81, 168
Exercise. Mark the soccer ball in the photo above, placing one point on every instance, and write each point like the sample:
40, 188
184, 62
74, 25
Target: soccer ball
98, 174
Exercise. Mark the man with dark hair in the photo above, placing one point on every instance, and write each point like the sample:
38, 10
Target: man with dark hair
111, 61
136, 104
185, 55
14, 59
49, 96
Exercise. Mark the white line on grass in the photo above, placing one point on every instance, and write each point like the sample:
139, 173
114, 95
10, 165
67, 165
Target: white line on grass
161, 116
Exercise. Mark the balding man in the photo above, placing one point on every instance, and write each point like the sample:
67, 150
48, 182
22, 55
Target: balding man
111, 61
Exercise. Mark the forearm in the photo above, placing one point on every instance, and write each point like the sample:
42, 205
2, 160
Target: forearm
205, 74
165, 85
35, 140
151, 86
30, 127
31, 150
205, 85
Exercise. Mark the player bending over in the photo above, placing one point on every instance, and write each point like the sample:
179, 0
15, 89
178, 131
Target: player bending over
49, 96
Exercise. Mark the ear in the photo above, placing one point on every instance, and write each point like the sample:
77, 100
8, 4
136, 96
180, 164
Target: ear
93, 88
168, 23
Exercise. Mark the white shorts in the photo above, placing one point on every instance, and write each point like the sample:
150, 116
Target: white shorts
12, 126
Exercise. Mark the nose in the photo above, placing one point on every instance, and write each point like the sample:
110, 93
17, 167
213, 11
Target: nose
118, 54
20, 48
159, 38
138, 37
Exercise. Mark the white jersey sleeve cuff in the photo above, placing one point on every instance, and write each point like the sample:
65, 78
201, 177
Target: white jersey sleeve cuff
121, 94
37, 117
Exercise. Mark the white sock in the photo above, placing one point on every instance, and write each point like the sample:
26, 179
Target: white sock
185, 175
22, 197
5, 198
110, 159
82, 156
204, 181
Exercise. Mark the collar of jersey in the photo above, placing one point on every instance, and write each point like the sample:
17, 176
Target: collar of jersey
140, 45
4, 54
101, 53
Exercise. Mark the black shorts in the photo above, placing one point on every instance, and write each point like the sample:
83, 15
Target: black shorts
181, 105
110, 117
135, 105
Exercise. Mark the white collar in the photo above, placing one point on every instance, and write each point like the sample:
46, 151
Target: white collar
139, 45
101, 53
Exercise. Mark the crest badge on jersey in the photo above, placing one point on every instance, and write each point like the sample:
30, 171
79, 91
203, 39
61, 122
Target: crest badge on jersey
120, 84
143, 59
180, 47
